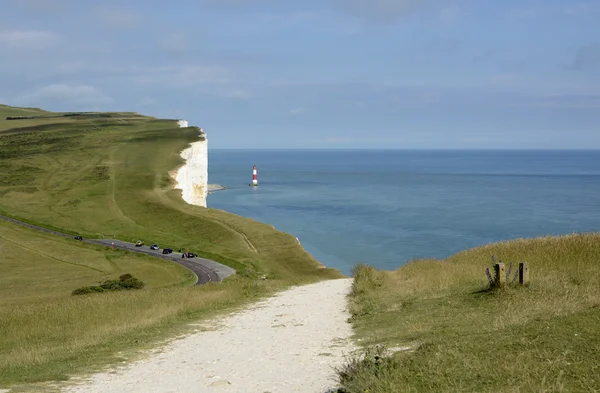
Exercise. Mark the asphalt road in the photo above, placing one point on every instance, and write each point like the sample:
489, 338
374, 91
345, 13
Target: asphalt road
205, 269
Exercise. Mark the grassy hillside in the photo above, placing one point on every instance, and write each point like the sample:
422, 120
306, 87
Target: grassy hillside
40, 265
40, 322
107, 176
453, 335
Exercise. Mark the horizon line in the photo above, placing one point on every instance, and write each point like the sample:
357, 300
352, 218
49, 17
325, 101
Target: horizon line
410, 149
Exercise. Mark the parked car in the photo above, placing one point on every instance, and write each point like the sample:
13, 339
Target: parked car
188, 255
139, 243
167, 251
154, 247
78, 238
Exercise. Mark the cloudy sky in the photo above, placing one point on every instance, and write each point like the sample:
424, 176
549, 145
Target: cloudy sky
318, 73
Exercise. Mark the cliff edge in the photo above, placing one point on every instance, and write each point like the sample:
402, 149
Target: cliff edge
192, 177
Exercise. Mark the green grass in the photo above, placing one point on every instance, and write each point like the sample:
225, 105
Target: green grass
41, 322
107, 176
38, 264
459, 337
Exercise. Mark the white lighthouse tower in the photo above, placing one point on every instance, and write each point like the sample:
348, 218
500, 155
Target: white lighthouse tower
254, 179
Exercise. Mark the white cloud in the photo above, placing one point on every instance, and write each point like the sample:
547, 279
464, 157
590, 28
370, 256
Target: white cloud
297, 111
27, 39
80, 94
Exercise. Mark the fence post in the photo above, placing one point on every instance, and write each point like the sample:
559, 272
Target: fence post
523, 273
500, 278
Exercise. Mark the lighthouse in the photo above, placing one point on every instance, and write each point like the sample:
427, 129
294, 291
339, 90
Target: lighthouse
254, 179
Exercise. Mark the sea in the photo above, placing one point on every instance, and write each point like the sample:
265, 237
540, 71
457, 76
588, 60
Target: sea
388, 207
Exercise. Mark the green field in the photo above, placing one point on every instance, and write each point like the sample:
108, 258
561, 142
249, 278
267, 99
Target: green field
107, 176
452, 334
41, 265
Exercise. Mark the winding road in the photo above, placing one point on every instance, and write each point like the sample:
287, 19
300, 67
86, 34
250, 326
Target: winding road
205, 270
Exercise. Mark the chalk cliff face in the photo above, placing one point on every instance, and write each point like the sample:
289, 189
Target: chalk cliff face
192, 177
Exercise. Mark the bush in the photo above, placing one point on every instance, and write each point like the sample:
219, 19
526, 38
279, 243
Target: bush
87, 290
111, 285
132, 283
125, 282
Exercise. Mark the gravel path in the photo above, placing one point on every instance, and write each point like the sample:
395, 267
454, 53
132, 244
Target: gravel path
288, 343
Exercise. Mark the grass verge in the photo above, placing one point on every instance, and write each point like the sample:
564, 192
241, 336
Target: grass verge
433, 326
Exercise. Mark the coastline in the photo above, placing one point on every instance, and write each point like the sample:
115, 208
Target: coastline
196, 166
192, 177
214, 188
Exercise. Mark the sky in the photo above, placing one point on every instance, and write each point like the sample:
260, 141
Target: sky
329, 74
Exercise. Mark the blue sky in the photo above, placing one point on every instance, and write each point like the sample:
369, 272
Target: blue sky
319, 74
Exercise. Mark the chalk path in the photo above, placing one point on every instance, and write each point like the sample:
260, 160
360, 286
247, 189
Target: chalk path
288, 343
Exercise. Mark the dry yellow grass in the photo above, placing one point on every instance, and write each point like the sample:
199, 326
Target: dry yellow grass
465, 338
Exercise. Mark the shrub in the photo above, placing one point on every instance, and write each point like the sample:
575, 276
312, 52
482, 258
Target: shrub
87, 290
125, 282
111, 285
132, 283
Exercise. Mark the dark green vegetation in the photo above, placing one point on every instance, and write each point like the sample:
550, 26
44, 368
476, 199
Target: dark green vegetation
107, 176
125, 282
445, 332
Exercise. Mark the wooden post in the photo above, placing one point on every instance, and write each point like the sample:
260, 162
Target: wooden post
500, 278
523, 273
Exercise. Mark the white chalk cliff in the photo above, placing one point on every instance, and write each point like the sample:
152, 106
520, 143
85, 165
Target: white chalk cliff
192, 177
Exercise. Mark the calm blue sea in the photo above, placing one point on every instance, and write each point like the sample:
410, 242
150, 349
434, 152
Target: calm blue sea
386, 208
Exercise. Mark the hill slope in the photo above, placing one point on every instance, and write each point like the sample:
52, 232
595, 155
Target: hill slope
106, 175
451, 334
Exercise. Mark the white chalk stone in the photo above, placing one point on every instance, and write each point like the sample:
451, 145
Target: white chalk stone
192, 177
